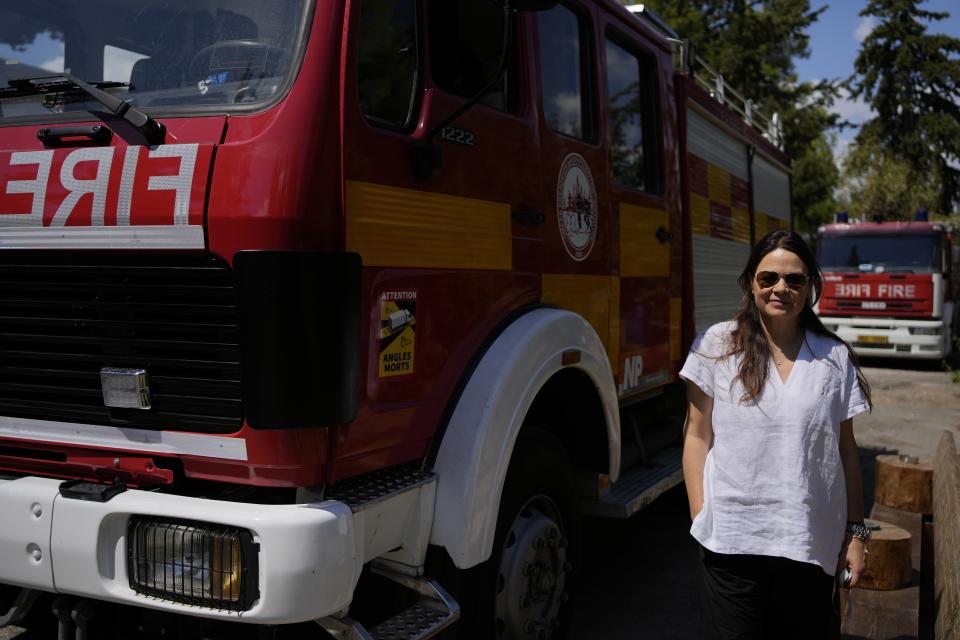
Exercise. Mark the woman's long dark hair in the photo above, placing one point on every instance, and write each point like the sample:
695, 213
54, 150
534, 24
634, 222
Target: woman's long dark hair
748, 338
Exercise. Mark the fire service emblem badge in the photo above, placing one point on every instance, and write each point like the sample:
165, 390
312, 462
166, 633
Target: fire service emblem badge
577, 207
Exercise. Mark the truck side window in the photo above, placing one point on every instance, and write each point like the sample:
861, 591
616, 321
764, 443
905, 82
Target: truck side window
564, 46
632, 97
388, 61
466, 42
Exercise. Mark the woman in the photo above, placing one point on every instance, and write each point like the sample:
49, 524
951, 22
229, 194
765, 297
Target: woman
770, 461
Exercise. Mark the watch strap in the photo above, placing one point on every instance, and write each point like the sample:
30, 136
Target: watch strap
859, 530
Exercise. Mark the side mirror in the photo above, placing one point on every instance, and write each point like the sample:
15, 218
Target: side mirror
533, 5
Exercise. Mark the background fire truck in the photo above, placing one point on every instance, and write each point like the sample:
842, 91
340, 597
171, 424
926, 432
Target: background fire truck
309, 301
890, 288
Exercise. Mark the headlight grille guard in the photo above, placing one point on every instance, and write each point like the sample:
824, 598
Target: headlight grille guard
192, 562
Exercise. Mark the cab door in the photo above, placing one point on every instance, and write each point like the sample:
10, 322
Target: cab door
638, 120
580, 230
458, 245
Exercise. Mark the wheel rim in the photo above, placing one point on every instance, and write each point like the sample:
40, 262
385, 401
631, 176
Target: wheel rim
532, 573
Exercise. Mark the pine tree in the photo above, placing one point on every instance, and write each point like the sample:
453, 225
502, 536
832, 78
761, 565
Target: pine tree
753, 43
911, 78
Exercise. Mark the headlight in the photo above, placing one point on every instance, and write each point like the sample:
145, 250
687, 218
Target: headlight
192, 562
923, 331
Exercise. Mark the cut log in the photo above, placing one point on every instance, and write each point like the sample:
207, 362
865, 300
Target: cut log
904, 483
888, 560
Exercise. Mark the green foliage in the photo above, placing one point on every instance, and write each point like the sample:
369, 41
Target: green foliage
753, 43
911, 78
878, 182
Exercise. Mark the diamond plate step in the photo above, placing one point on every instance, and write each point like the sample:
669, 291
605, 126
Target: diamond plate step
432, 613
418, 621
639, 486
361, 491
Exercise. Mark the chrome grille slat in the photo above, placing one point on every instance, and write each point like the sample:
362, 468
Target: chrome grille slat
64, 315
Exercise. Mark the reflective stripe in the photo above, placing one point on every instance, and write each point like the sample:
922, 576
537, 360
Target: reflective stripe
122, 237
142, 440
394, 227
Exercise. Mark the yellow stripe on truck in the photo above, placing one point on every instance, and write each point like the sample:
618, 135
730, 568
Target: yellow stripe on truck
394, 227
700, 214
588, 296
642, 255
719, 185
741, 225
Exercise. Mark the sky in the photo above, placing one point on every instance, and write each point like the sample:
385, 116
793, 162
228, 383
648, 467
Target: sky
835, 41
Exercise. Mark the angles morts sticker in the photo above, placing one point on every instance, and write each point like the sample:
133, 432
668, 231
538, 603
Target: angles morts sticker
577, 207
398, 311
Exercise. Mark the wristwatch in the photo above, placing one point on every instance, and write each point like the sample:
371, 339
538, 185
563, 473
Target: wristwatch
859, 530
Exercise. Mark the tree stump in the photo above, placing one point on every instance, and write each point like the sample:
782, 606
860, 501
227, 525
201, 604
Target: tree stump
888, 560
904, 483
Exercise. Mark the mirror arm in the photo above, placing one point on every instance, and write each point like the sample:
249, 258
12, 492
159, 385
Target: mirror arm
426, 157
508, 12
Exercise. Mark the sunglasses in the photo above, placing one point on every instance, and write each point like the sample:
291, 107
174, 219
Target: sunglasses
768, 279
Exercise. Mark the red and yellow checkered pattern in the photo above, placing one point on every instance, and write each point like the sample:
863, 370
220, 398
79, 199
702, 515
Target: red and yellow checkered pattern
719, 202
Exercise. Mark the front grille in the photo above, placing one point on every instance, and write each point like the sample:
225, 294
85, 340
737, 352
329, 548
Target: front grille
858, 304
64, 316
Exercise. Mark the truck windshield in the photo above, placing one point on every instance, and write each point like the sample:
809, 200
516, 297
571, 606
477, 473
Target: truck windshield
917, 253
169, 54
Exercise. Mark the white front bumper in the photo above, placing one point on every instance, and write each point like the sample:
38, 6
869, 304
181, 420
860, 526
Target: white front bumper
899, 341
310, 555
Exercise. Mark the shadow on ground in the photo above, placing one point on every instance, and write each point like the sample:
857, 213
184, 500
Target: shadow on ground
639, 577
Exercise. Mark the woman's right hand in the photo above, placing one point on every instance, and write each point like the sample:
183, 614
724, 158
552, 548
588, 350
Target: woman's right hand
695, 511
697, 438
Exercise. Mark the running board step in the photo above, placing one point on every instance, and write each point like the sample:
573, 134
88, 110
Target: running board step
360, 492
639, 486
433, 612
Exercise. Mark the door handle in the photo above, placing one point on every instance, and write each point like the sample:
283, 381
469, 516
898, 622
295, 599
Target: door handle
663, 235
98, 133
528, 217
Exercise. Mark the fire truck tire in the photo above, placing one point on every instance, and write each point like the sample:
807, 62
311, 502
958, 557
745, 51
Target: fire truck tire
523, 591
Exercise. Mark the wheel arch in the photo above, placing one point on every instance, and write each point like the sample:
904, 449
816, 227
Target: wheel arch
522, 375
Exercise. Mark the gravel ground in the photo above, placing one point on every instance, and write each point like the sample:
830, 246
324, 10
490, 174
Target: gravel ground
911, 409
638, 575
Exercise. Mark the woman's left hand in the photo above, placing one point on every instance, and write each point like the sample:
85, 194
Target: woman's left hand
853, 554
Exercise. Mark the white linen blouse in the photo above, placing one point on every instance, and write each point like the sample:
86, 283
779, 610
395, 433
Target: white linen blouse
773, 481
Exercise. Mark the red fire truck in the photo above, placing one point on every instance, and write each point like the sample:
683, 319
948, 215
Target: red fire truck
890, 287
307, 300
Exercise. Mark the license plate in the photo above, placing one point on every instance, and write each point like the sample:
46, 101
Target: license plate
873, 304
874, 339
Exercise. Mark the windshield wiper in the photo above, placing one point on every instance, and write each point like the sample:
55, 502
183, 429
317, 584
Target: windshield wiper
151, 129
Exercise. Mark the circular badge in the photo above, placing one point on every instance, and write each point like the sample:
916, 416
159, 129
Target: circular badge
577, 207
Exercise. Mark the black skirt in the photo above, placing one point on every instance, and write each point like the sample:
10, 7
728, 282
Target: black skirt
752, 596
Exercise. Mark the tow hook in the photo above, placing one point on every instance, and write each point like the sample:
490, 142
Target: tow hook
61, 608
74, 618
82, 613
